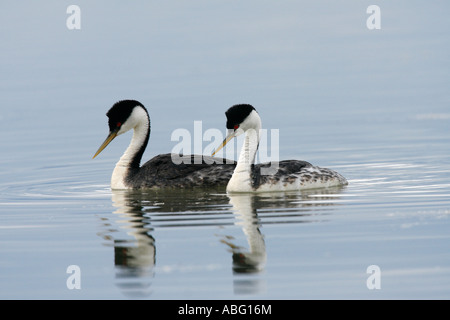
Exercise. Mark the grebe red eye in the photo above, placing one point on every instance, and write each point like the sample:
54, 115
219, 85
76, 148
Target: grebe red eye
236, 126
118, 124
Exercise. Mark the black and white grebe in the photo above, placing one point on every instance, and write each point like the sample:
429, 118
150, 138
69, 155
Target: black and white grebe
286, 175
160, 171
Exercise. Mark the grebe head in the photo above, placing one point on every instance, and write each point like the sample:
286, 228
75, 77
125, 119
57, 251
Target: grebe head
122, 117
240, 118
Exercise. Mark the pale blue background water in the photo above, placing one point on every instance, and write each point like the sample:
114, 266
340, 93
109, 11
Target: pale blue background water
372, 104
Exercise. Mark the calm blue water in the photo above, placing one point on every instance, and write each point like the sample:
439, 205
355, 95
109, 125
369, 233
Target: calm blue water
371, 104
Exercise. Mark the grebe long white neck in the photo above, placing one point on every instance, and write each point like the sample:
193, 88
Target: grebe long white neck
122, 117
241, 179
131, 158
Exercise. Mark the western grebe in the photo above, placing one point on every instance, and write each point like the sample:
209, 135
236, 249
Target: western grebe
289, 174
160, 171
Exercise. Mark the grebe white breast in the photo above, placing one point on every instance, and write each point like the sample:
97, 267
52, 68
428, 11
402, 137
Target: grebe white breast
160, 171
289, 174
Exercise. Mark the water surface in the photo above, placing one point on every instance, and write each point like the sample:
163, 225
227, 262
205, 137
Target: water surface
372, 105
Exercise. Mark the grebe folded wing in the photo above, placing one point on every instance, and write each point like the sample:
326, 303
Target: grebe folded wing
194, 171
281, 171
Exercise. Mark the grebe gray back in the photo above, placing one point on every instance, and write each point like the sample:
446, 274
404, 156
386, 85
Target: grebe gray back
290, 174
160, 171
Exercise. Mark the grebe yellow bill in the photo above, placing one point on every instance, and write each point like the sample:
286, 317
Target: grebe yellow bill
110, 138
289, 175
160, 171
